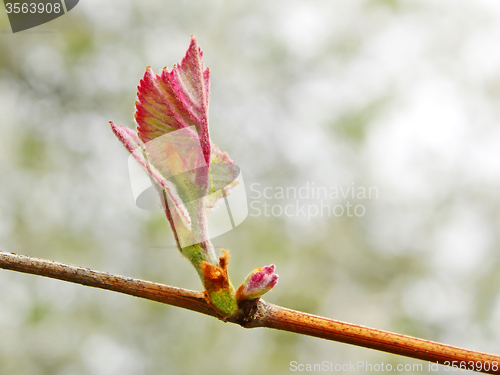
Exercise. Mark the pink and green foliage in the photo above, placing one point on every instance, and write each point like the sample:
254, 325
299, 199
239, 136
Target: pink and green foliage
173, 144
176, 99
190, 174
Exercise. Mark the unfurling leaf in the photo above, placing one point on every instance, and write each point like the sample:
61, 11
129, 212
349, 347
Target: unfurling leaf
172, 144
190, 174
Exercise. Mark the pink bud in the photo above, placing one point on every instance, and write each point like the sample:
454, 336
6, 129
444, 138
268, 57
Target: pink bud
258, 282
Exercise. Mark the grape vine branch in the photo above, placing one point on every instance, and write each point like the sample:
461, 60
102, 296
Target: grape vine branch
257, 313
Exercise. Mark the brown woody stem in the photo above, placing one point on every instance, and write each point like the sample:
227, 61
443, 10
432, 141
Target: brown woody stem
258, 314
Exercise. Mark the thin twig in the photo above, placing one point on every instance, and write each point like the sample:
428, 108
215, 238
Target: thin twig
280, 318
169, 295
261, 314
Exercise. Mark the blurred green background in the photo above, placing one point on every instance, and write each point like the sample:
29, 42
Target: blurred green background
399, 95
